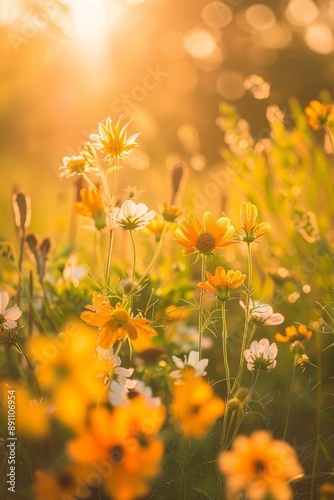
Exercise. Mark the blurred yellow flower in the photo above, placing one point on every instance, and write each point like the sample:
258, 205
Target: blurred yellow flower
222, 282
112, 140
195, 407
117, 324
74, 165
32, 416
317, 114
176, 313
170, 212
66, 369
205, 239
128, 454
259, 466
301, 334
56, 484
91, 205
248, 216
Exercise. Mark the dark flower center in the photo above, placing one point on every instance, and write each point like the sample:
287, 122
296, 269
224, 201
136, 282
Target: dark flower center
205, 242
65, 480
259, 466
116, 454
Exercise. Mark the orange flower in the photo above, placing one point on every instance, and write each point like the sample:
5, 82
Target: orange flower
317, 114
53, 485
222, 281
117, 324
128, 453
248, 216
91, 205
292, 334
259, 466
170, 212
205, 239
195, 407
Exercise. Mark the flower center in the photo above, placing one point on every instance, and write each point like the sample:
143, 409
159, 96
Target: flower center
206, 242
116, 454
114, 146
121, 316
259, 466
2, 319
65, 480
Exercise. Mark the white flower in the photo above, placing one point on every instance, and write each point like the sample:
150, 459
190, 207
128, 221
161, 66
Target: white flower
73, 272
145, 391
9, 316
263, 314
261, 355
131, 215
119, 389
190, 367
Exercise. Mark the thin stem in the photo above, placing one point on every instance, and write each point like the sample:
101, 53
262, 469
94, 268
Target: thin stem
225, 356
290, 399
111, 205
247, 315
89, 182
98, 250
21, 351
184, 468
329, 134
20, 261
318, 415
200, 308
133, 265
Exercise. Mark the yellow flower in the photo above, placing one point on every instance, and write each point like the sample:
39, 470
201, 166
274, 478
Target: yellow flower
195, 407
66, 369
248, 216
176, 313
74, 165
155, 226
170, 212
32, 416
205, 239
292, 334
317, 114
112, 140
57, 484
91, 205
259, 466
118, 443
117, 324
222, 282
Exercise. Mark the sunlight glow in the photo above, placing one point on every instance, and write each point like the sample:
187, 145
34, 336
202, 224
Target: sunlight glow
90, 17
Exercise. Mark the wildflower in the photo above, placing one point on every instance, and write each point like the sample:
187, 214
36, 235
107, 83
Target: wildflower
249, 213
131, 216
261, 355
173, 312
191, 367
57, 484
133, 193
91, 205
112, 140
131, 453
259, 467
117, 324
301, 333
9, 316
73, 272
263, 314
74, 165
303, 361
205, 239
155, 226
119, 389
222, 282
195, 407
317, 114
170, 212
65, 368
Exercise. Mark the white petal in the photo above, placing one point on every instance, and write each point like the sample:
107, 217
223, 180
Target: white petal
175, 374
193, 358
275, 319
178, 362
4, 299
13, 313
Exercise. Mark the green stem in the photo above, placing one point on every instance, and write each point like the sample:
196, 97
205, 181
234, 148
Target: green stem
111, 205
133, 265
21, 351
184, 468
247, 315
89, 182
290, 399
152, 264
98, 250
318, 416
225, 356
200, 308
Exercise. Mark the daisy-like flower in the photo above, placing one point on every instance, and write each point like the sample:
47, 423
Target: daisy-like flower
293, 334
131, 215
56, 484
260, 467
205, 239
195, 407
170, 212
318, 114
74, 165
248, 216
119, 388
191, 367
122, 442
222, 282
112, 140
263, 314
261, 355
133, 193
9, 316
155, 226
117, 324
91, 205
